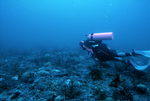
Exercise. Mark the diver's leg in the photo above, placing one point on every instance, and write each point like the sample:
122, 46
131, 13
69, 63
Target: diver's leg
115, 53
118, 59
122, 54
126, 61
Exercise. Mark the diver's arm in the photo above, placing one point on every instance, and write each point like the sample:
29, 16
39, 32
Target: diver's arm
84, 45
88, 49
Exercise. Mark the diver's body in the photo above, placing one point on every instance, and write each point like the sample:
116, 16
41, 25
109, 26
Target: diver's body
102, 51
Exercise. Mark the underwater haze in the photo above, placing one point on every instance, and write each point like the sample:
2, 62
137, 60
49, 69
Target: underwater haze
41, 58
64, 23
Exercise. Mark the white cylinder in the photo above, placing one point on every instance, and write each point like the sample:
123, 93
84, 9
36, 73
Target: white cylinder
101, 36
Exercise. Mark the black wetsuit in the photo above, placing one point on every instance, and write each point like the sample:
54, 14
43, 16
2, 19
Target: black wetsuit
103, 53
100, 50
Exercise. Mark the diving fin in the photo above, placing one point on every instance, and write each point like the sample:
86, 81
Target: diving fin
144, 53
138, 67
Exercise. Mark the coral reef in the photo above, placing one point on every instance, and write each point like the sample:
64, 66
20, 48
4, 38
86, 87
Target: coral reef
66, 75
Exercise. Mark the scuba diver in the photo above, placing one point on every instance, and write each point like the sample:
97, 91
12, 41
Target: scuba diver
101, 52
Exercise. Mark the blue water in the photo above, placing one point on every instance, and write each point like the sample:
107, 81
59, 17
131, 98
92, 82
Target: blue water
63, 23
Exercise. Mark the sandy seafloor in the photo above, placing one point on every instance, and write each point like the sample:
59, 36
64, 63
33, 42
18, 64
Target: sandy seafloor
66, 75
